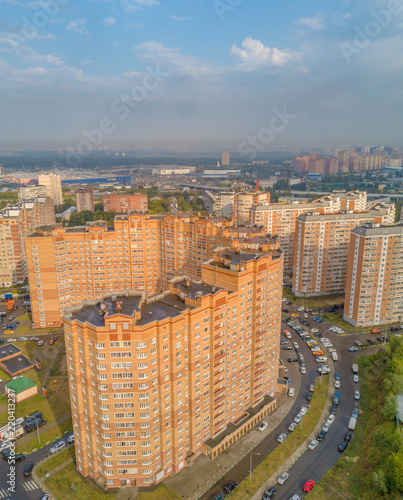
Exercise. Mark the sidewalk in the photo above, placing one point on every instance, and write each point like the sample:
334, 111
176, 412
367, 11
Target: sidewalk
40, 481
192, 481
44, 428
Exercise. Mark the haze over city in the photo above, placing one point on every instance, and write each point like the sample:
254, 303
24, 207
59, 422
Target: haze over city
220, 71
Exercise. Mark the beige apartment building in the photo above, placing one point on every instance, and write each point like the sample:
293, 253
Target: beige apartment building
141, 252
84, 199
124, 203
16, 222
374, 284
30, 192
280, 219
321, 247
244, 201
157, 381
53, 185
222, 203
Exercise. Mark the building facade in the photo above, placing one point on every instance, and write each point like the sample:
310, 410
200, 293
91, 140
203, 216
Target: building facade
321, 248
244, 201
155, 382
374, 291
225, 159
53, 185
30, 192
84, 199
124, 203
16, 222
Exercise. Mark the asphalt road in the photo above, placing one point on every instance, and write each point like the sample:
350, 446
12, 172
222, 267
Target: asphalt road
25, 487
312, 464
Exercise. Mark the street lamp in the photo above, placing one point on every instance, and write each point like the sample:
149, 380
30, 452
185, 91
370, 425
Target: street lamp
252, 453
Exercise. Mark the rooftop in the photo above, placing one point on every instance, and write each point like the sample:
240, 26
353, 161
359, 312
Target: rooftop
7, 350
20, 384
17, 364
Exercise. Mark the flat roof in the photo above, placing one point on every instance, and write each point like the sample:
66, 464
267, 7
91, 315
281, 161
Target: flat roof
16, 364
8, 350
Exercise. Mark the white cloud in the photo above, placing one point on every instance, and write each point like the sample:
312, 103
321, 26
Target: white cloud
315, 23
132, 5
35, 71
180, 18
78, 26
253, 54
109, 21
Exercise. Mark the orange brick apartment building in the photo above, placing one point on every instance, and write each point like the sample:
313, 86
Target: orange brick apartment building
374, 284
154, 382
124, 203
141, 252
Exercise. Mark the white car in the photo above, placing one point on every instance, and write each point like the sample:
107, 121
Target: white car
296, 345
288, 335
356, 378
263, 426
313, 444
70, 439
326, 427
314, 330
284, 299
291, 392
337, 384
303, 370
303, 410
281, 437
298, 418
306, 315
292, 426
330, 419
301, 308
283, 478
57, 447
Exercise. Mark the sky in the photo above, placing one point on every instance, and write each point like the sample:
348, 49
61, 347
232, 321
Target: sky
200, 74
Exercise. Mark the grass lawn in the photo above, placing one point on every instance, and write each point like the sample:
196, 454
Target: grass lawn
68, 485
47, 436
283, 451
4, 375
57, 365
337, 319
23, 330
54, 462
161, 493
52, 408
23, 317
313, 302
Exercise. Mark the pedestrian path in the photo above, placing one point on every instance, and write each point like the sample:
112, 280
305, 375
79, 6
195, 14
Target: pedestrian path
3, 493
30, 485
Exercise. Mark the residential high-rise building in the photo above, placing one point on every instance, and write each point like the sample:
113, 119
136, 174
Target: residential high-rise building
141, 252
125, 203
374, 284
85, 199
321, 248
244, 201
280, 219
30, 192
16, 222
155, 382
222, 203
225, 159
53, 185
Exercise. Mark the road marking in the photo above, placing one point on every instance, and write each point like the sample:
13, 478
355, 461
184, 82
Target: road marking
3, 493
30, 486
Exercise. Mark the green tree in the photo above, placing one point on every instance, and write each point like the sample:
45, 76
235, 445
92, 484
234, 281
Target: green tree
396, 471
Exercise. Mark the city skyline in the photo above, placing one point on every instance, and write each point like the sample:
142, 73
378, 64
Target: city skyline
332, 71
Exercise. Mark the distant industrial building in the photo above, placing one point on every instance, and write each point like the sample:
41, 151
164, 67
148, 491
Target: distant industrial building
220, 174
99, 180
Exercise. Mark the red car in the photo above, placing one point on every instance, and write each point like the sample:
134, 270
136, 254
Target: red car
308, 485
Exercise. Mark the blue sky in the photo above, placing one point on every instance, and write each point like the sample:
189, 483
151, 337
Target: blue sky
200, 74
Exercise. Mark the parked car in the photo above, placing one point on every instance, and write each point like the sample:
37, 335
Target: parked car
298, 418
342, 446
291, 392
353, 349
269, 493
357, 343
308, 396
357, 395
261, 427
70, 439
57, 447
40, 343
311, 387
347, 437
313, 444
281, 437
321, 436
292, 426
230, 486
356, 378
283, 478
308, 485
330, 418
326, 427
337, 376
355, 413
28, 469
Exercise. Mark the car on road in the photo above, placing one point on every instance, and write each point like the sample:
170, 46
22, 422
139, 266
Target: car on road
261, 427
308, 396
287, 334
293, 360
355, 413
269, 493
301, 309
357, 343
292, 426
337, 384
321, 436
356, 378
314, 330
283, 478
333, 409
303, 410
230, 486
330, 419
347, 437
303, 370
313, 444
308, 485
281, 437
295, 497
219, 496
342, 446
353, 349
40, 343
28, 469
337, 376
45, 497
298, 418
291, 392
357, 395
296, 345
311, 387
8, 331
326, 427
286, 348
57, 447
